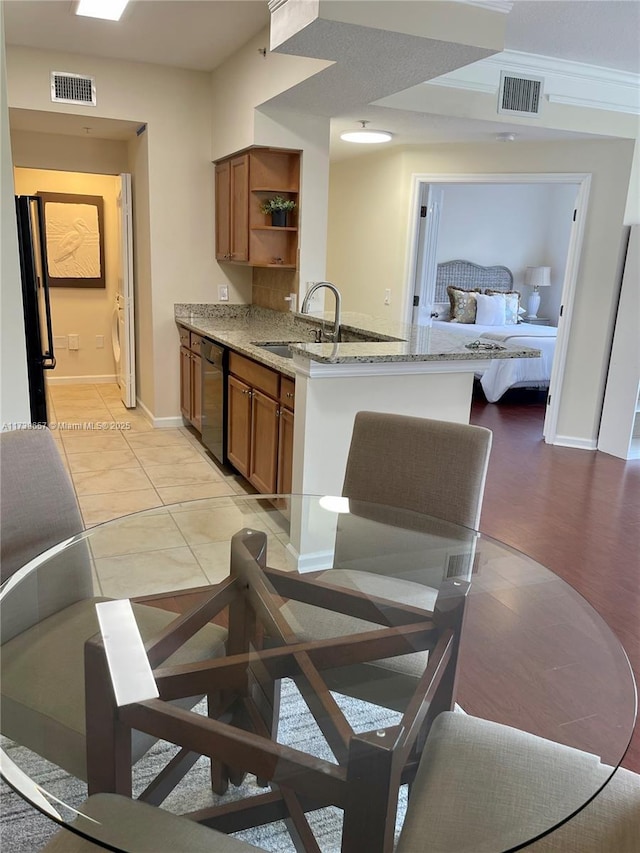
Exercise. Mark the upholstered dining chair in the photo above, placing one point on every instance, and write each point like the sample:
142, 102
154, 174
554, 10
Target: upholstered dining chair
481, 785
52, 611
433, 468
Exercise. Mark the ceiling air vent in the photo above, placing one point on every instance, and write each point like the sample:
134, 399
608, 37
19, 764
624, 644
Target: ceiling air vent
67, 88
520, 95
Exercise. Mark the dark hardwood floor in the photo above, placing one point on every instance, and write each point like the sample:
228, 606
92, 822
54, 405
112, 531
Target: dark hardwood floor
575, 511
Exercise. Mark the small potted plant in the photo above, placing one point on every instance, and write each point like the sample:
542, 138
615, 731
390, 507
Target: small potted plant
278, 207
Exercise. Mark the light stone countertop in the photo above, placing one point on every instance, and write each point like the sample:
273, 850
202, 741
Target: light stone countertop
240, 326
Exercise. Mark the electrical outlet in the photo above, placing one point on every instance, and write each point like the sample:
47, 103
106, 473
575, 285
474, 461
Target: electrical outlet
74, 342
223, 292
387, 296
99, 341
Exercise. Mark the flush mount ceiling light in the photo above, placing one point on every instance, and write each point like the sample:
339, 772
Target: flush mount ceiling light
365, 136
107, 10
506, 137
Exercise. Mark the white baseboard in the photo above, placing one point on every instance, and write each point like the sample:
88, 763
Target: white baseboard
159, 423
167, 423
578, 443
82, 380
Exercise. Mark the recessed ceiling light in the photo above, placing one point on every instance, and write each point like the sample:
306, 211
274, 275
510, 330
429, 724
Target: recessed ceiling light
107, 10
366, 136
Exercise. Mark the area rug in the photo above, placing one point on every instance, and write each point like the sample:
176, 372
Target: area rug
23, 830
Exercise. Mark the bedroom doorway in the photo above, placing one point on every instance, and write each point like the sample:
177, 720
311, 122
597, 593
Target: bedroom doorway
514, 220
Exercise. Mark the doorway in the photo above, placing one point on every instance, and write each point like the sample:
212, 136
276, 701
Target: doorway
515, 221
89, 322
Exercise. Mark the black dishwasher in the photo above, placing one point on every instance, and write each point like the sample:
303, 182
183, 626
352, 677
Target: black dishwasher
215, 361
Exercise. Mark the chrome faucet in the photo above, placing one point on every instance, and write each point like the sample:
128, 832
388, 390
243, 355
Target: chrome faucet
335, 335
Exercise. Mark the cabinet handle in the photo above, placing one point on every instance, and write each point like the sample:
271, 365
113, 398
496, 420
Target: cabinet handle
289, 394
278, 412
246, 391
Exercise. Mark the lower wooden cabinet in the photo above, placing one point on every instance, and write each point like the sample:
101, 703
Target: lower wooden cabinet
239, 425
285, 452
191, 387
260, 428
263, 468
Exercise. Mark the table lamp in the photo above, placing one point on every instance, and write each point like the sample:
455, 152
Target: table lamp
536, 277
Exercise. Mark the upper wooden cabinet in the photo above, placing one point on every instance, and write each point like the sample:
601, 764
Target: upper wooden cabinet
244, 181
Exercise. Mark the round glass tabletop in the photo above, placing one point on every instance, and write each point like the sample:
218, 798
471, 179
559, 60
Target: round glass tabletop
260, 648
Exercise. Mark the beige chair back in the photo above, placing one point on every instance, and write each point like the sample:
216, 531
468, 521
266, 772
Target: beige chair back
433, 467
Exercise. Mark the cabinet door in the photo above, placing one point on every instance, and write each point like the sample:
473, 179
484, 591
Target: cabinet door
285, 452
196, 391
185, 383
239, 208
264, 443
239, 425
223, 210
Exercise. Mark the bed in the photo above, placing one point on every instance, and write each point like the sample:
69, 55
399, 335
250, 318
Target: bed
503, 374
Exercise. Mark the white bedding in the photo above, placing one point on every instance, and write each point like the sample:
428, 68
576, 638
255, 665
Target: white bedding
509, 372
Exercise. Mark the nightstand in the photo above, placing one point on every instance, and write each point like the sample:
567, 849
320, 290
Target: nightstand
537, 321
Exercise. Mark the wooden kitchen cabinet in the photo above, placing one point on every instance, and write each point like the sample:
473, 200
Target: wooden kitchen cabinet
243, 183
260, 428
191, 378
239, 425
232, 209
285, 452
263, 469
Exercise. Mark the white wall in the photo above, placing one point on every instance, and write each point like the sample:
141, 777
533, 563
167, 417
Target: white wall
369, 233
14, 388
516, 225
85, 311
562, 200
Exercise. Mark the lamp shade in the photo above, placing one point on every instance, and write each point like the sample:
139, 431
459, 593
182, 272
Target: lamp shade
538, 276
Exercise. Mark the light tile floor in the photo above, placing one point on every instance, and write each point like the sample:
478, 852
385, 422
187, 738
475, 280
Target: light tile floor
120, 464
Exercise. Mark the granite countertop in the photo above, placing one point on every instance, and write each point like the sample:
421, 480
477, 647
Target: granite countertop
240, 326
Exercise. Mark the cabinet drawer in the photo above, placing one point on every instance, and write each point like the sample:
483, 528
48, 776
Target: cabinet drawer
185, 340
195, 342
255, 374
287, 392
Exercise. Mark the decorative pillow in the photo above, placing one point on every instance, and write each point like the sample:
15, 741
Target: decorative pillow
512, 304
490, 309
463, 304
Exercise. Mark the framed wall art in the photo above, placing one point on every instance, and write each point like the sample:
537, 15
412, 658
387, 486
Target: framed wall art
74, 239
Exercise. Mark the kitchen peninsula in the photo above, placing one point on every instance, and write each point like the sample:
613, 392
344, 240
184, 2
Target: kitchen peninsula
378, 366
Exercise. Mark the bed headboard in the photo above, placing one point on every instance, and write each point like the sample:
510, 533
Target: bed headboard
467, 275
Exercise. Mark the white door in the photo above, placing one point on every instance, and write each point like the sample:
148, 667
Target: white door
430, 207
123, 333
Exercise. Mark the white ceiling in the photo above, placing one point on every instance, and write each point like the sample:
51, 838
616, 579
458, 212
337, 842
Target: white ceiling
200, 35
195, 34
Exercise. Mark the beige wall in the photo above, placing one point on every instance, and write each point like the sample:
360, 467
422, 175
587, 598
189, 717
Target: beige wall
242, 115
175, 105
360, 257
246, 81
85, 311
14, 389
68, 153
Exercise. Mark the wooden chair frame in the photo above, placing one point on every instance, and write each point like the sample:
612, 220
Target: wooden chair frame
239, 733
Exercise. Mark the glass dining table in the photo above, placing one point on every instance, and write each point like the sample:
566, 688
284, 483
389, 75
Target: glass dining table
269, 667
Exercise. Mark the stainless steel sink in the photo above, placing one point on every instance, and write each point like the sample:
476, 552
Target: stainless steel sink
278, 349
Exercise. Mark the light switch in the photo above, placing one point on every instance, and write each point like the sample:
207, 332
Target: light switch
60, 341
387, 296
223, 292
99, 341
74, 342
